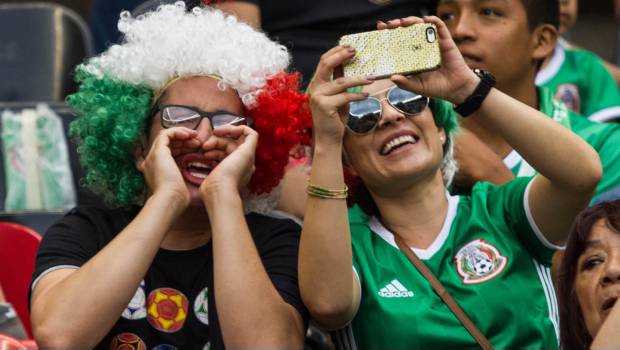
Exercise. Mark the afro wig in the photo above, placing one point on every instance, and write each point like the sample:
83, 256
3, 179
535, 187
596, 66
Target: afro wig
118, 88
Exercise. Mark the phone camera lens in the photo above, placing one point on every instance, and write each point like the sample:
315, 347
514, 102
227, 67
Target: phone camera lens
430, 35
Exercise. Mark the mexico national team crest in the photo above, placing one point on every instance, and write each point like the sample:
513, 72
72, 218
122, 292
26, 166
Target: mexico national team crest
479, 261
137, 306
569, 94
167, 309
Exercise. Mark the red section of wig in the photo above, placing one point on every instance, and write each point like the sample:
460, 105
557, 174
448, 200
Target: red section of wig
282, 119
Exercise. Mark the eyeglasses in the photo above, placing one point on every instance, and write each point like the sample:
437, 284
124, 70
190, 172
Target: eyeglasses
190, 117
365, 115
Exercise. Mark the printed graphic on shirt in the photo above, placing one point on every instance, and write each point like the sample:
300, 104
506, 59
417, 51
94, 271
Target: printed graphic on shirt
165, 347
395, 289
201, 306
136, 309
127, 341
569, 94
167, 309
479, 261
207, 346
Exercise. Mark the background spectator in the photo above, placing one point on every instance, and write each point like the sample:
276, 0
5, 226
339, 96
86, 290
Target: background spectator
589, 281
310, 28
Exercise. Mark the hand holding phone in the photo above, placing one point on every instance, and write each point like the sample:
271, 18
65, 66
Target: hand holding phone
403, 50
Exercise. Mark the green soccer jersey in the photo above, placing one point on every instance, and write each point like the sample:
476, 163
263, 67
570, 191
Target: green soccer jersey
580, 80
603, 137
489, 255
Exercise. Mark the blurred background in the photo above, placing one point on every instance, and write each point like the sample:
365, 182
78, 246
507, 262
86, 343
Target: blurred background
595, 29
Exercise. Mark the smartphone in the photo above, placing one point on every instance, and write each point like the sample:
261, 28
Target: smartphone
403, 50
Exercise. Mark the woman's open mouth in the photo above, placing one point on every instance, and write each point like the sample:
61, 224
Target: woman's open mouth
195, 168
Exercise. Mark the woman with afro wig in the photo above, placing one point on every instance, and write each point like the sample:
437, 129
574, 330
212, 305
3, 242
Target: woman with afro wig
185, 129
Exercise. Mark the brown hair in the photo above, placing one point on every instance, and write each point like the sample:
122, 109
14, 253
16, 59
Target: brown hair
573, 330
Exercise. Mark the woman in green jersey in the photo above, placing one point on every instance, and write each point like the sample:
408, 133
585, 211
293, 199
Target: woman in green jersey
589, 285
491, 249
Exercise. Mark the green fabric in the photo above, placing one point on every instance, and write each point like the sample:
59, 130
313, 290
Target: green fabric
36, 161
398, 308
603, 137
582, 82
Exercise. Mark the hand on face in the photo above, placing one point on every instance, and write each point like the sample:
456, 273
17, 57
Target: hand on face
233, 147
329, 97
453, 81
158, 166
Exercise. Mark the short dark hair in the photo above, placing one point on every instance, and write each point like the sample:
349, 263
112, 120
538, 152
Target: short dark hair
573, 331
542, 12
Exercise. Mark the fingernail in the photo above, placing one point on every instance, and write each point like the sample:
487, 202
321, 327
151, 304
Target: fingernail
369, 77
346, 46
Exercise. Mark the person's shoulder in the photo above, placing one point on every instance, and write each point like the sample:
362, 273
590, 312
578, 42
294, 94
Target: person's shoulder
270, 231
101, 218
582, 58
265, 222
488, 192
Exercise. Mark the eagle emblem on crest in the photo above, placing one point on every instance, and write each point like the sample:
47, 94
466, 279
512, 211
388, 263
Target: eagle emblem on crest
479, 261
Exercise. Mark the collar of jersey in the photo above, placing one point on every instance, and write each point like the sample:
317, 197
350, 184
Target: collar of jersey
377, 227
551, 69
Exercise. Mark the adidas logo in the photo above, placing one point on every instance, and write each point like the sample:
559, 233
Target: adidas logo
395, 289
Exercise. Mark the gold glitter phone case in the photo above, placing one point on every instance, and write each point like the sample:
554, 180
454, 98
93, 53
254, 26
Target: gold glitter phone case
403, 50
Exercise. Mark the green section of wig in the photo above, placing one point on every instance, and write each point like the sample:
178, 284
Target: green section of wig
112, 116
444, 115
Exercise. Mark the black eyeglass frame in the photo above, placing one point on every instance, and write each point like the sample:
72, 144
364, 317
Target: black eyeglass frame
380, 100
202, 114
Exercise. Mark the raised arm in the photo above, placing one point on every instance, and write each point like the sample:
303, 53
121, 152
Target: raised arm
76, 308
260, 318
569, 168
328, 286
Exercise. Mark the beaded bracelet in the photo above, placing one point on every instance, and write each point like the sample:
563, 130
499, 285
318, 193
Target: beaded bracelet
322, 192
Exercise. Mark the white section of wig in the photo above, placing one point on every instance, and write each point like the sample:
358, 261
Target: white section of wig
171, 42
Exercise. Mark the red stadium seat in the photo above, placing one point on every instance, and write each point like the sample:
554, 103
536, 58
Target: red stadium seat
18, 248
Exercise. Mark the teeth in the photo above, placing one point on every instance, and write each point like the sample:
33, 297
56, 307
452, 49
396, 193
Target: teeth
198, 175
397, 142
203, 169
198, 165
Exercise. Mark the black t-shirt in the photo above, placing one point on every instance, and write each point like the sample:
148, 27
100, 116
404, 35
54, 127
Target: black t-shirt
310, 28
174, 306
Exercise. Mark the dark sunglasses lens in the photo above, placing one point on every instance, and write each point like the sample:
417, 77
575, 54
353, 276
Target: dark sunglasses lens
364, 115
223, 119
407, 101
172, 116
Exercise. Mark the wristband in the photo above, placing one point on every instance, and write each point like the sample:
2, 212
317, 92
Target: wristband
474, 101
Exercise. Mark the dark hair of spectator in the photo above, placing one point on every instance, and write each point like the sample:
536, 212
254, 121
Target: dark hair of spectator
542, 12
573, 331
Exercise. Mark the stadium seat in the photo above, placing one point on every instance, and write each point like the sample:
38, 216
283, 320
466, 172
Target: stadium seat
18, 249
41, 220
40, 45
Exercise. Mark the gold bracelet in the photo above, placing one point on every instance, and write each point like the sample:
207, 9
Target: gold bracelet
322, 192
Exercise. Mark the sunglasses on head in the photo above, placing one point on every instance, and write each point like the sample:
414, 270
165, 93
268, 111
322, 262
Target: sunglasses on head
190, 117
364, 115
